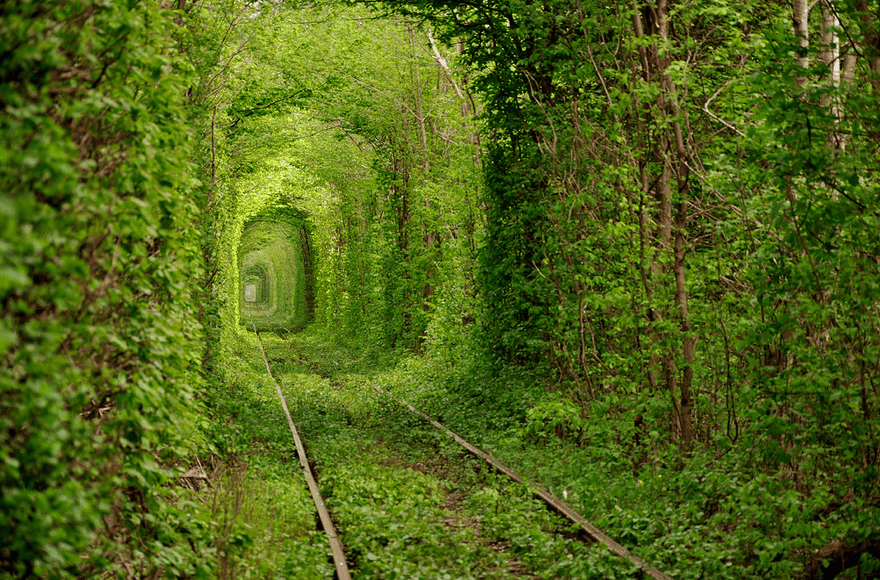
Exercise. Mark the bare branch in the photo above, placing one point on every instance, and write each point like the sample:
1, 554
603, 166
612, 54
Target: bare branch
716, 117
444, 65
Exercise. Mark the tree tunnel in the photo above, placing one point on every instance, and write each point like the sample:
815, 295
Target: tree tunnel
255, 280
276, 273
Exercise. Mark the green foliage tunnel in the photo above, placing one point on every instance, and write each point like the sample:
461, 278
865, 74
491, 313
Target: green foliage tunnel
643, 235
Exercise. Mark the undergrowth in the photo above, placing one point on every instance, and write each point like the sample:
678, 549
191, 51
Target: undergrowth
257, 496
706, 512
409, 503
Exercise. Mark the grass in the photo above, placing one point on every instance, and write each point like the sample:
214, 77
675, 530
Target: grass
258, 499
263, 525
409, 503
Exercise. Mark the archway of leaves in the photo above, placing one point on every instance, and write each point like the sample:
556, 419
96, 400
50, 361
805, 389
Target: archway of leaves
379, 148
276, 281
255, 283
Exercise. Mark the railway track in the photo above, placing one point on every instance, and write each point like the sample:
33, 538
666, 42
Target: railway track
553, 503
339, 563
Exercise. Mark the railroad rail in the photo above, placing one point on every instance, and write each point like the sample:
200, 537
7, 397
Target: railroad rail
552, 501
339, 562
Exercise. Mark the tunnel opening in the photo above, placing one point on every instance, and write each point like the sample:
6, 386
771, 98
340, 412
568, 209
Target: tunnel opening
255, 283
276, 271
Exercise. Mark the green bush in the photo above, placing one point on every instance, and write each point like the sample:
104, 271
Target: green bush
98, 259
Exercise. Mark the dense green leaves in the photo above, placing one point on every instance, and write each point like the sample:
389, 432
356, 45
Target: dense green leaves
97, 332
681, 227
650, 231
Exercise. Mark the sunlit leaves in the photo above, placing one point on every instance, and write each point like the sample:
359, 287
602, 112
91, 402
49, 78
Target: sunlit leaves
97, 330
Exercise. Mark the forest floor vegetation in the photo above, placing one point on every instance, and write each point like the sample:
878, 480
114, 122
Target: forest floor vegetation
409, 503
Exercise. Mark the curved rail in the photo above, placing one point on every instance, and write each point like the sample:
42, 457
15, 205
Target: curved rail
339, 562
552, 501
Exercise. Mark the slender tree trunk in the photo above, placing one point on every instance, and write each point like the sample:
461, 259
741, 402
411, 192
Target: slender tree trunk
841, 68
418, 97
830, 50
671, 154
829, 54
800, 15
870, 29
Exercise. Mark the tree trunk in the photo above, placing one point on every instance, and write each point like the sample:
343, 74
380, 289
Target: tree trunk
670, 238
800, 16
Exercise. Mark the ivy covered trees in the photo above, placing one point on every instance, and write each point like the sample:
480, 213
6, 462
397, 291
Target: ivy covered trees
652, 226
682, 220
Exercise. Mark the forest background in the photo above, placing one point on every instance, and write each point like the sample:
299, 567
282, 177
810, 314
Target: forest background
648, 230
